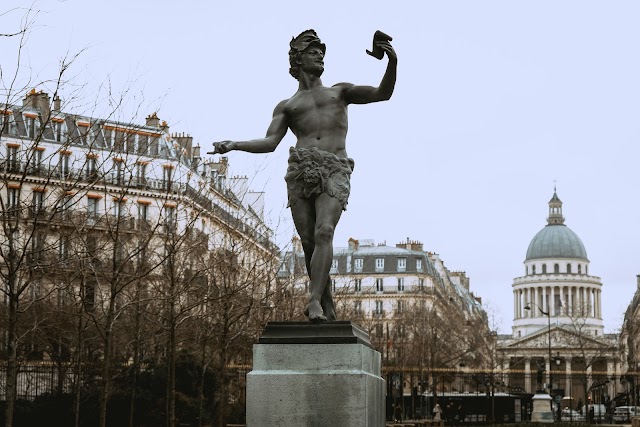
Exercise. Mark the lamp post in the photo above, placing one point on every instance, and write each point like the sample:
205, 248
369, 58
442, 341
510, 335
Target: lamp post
548, 314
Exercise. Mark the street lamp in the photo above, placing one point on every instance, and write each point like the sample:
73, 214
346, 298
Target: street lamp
548, 314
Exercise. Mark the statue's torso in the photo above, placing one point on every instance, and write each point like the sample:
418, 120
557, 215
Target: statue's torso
318, 118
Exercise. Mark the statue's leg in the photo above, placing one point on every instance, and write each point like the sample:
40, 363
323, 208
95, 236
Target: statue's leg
328, 211
326, 302
303, 212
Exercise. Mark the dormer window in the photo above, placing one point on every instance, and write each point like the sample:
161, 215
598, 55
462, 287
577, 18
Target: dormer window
58, 127
31, 125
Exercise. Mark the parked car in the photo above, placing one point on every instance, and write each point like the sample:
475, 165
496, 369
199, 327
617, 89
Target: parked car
571, 415
623, 414
599, 411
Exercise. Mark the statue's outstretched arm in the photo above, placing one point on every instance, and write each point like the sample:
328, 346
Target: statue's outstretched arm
275, 133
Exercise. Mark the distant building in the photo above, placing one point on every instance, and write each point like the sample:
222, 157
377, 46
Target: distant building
90, 203
421, 316
558, 341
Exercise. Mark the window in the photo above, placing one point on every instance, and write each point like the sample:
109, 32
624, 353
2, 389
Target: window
333, 285
379, 330
379, 264
167, 173
358, 265
67, 201
533, 269
399, 307
358, 285
141, 173
379, 308
357, 307
334, 265
37, 202
402, 264
579, 268
401, 283
63, 249
32, 127
418, 264
92, 208
586, 269
421, 284
119, 166
379, 285
568, 268
526, 270
169, 217
58, 130
35, 161
64, 165
544, 268
143, 212
119, 209
13, 200
91, 167
5, 118
556, 268
12, 159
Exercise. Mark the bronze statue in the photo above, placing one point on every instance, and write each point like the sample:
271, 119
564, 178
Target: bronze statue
319, 169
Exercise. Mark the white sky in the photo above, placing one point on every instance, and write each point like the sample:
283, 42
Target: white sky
494, 101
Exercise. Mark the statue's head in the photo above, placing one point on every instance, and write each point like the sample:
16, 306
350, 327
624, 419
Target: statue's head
299, 45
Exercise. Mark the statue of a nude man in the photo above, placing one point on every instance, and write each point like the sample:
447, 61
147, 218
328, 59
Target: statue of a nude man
319, 169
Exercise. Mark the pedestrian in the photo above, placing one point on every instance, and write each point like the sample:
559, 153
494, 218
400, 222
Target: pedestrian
397, 413
437, 412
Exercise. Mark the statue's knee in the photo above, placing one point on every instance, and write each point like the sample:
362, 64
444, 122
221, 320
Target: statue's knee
324, 233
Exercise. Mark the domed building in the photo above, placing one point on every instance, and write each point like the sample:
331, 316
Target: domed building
558, 342
556, 281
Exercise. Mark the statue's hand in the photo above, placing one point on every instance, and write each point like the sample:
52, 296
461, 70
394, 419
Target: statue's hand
222, 147
386, 47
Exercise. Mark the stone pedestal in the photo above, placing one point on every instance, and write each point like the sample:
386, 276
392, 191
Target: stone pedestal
315, 375
541, 408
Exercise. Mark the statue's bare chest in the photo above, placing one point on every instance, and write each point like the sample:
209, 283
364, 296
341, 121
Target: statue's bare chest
317, 101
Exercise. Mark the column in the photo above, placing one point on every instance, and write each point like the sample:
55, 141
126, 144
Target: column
610, 374
599, 303
547, 367
527, 375
570, 303
545, 304
505, 369
552, 301
589, 378
567, 372
536, 298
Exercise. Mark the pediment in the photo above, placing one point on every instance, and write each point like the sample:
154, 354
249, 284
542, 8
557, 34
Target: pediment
561, 337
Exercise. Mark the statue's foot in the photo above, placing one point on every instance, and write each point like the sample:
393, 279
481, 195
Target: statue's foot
326, 302
314, 312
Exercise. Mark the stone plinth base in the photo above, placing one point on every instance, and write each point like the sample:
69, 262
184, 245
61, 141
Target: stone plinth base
315, 375
541, 408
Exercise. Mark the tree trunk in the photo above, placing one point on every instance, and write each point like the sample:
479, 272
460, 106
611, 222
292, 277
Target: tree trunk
171, 380
12, 353
78, 372
105, 381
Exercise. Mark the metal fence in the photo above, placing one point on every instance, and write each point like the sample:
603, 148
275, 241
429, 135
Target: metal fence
38, 378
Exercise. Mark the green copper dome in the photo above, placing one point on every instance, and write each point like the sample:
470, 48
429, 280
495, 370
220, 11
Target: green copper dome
556, 241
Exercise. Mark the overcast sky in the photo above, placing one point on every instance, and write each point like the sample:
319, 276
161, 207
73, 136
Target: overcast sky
494, 101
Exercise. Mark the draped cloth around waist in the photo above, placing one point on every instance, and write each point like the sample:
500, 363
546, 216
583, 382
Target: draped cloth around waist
312, 171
